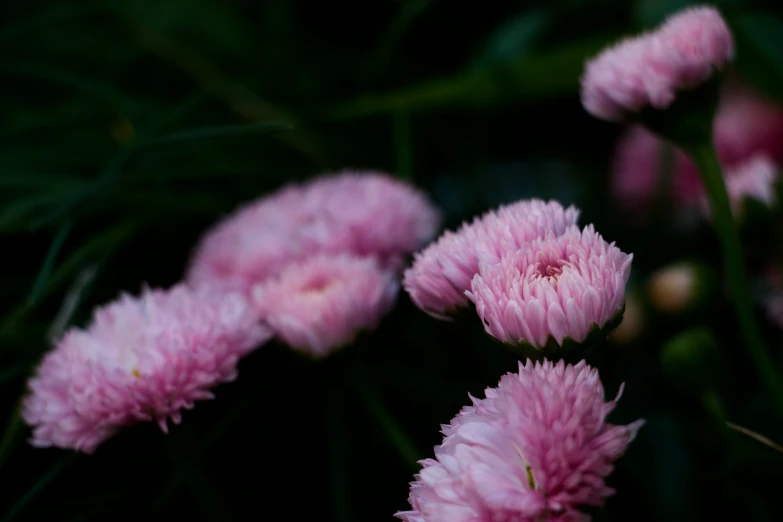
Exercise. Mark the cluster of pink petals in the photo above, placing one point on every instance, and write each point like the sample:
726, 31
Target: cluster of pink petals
637, 172
748, 138
649, 70
754, 179
320, 304
538, 447
559, 286
442, 272
141, 359
361, 213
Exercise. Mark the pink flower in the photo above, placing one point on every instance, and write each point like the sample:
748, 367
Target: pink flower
257, 241
442, 272
649, 70
746, 126
537, 448
754, 179
361, 213
371, 214
321, 304
141, 359
559, 287
637, 172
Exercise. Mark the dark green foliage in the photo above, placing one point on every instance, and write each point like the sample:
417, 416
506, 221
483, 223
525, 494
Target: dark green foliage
129, 126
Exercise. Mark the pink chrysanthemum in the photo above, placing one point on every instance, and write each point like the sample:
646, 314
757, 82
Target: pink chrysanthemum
321, 304
637, 172
553, 287
537, 448
746, 126
372, 214
361, 213
649, 70
754, 179
442, 272
257, 241
141, 359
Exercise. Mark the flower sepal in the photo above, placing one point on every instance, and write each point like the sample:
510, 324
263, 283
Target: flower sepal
569, 350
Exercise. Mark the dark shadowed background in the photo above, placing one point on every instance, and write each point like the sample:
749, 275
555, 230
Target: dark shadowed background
129, 126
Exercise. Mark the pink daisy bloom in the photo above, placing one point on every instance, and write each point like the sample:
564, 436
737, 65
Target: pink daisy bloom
141, 359
442, 272
372, 214
321, 304
537, 448
636, 173
747, 124
361, 213
555, 288
754, 179
257, 241
649, 70
746, 127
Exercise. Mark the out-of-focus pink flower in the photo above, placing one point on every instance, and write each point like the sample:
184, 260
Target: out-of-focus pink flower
638, 167
442, 272
746, 127
141, 359
257, 241
754, 179
361, 213
372, 214
747, 124
557, 286
649, 70
321, 304
538, 447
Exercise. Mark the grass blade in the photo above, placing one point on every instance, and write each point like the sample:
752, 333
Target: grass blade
334, 420
222, 132
51, 257
753, 435
386, 422
545, 74
38, 486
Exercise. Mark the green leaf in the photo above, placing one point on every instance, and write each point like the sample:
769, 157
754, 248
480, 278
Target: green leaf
17, 215
408, 12
397, 437
227, 131
334, 417
38, 486
43, 18
547, 74
759, 37
51, 257
84, 84
100, 246
113, 169
403, 145
513, 39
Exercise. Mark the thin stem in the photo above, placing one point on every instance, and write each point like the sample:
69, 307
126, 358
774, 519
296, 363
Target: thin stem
711, 176
396, 435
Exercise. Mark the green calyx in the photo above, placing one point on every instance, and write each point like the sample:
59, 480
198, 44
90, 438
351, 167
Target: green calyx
569, 350
687, 122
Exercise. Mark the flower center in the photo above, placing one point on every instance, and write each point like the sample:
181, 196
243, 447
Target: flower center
317, 285
550, 268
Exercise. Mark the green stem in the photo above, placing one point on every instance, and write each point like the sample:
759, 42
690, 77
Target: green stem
712, 178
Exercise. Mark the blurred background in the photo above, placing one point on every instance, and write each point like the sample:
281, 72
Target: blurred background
129, 126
